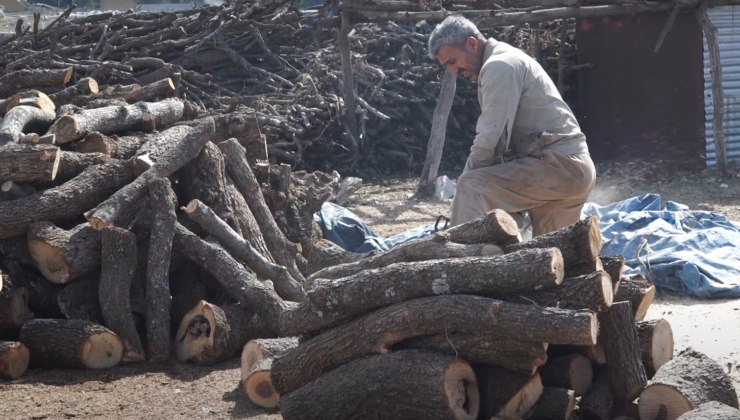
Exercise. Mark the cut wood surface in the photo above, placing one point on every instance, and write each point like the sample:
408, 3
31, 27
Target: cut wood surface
264, 348
590, 291
430, 386
579, 243
33, 98
13, 305
379, 331
506, 393
258, 386
639, 291
486, 348
684, 383
656, 344
29, 163
623, 355
14, 359
572, 372
117, 271
21, 119
713, 410
64, 255
554, 404
70, 343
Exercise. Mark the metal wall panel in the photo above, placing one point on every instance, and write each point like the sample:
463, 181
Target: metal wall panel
727, 21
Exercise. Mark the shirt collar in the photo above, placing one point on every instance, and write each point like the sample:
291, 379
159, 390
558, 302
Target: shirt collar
490, 45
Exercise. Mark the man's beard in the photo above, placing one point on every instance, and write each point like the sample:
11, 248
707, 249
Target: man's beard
474, 66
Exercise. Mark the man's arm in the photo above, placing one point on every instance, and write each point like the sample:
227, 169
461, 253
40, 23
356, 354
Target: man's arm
501, 88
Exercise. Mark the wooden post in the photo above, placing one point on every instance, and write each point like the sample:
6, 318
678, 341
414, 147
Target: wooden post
437, 137
561, 59
349, 84
710, 31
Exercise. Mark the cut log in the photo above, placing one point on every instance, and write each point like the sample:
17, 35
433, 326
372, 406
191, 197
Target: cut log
209, 334
162, 200
79, 300
519, 356
247, 223
579, 242
623, 355
430, 387
29, 163
22, 119
495, 227
712, 410
656, 344
153, 91
420, 250
84, 86
117, 270
527, 270
72, 163
187, 143
614, 266
639, 291
260, 349
117, 147
143, 116
591, 291
71, 343
13, 305
65, 202
598, 402
593, 353
33, 98
584, 268
572, 372
42, 294
14, 359
14, 81
12, 191
258, 386
285, 285
64, 255
380, 330
282, 250
506, 393
683, 384
554, 404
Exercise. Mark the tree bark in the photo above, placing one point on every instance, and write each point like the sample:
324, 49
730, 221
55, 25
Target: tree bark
712, 410
579, 242
247, 223
593, 353
380, 330
143, 116
72, 163
584, 268
13, 305
33, 78
80, 300
437, 138
151, 92
623, 356
341, 299
572, 372
591, 291
162, 200
656, 344
637, 290
348, 84
187, 143
209, 334
520, 356
84, 86
598, 402
123, 147
554, 404
65, 202
22, 119
683, 384
14, 359
415, 386
29, 163
614, 266
506, 393
495, 227
117, 271
325, 254
64, 255
42, 294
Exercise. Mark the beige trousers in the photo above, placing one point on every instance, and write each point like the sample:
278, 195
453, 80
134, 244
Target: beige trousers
553, 187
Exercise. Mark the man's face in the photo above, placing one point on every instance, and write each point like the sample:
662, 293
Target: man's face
463, 59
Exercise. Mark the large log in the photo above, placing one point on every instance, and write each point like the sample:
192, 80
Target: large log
683, 384
33, 98
80, 300
495, 227
554, 404
579, 242
13, 305
209, 334
415, 386
22, 119
71, 343
187, 143
14, 359
656, 344
258, 386
598, 403
264, 348
142, 116
572, 371
324, 254
506, 393
486, 348
117, 147
29, 163
64, 255
72, 164
713, 410
380, 330
117, 270
637, 290
14, 81
65, 202
84, 86
591, 291
42, 294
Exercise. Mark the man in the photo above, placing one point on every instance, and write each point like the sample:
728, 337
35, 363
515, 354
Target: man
529, 153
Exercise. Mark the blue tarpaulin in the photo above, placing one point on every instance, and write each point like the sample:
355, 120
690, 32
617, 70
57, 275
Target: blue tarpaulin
692, 253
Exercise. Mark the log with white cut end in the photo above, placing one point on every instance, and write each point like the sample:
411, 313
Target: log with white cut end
64, 255
504, 392
33, 98
683, 384
590, 291
209, 334
656, 344
258, 386
554, 404
14, 359
572, 371
383, 328
84, 86
13, 305
14, 81
29, 163
713, 410
23, 119
495, 227
584, 268
71, 343
639, 291
416, 385
117, 147
579, 242
265, 348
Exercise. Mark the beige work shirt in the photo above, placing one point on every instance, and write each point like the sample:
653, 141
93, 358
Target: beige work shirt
518, 99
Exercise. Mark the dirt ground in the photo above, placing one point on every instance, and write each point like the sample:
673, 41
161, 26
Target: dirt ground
178, 391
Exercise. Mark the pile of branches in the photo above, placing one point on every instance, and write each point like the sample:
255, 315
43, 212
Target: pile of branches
283, 67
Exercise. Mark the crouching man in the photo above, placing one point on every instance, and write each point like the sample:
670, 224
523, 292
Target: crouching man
529, 154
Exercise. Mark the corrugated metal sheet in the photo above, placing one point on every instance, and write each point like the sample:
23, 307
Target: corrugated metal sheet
727, 21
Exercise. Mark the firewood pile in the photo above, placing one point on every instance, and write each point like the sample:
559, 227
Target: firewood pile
276, 63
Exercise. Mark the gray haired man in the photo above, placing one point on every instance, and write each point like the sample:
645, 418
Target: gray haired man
529, 154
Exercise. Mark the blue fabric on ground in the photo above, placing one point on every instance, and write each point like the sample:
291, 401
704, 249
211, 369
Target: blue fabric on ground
345, 229
692, 253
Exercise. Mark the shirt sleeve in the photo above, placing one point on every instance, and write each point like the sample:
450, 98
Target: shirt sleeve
500, 87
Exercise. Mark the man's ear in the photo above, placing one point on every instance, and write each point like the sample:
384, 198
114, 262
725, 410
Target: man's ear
471, 43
